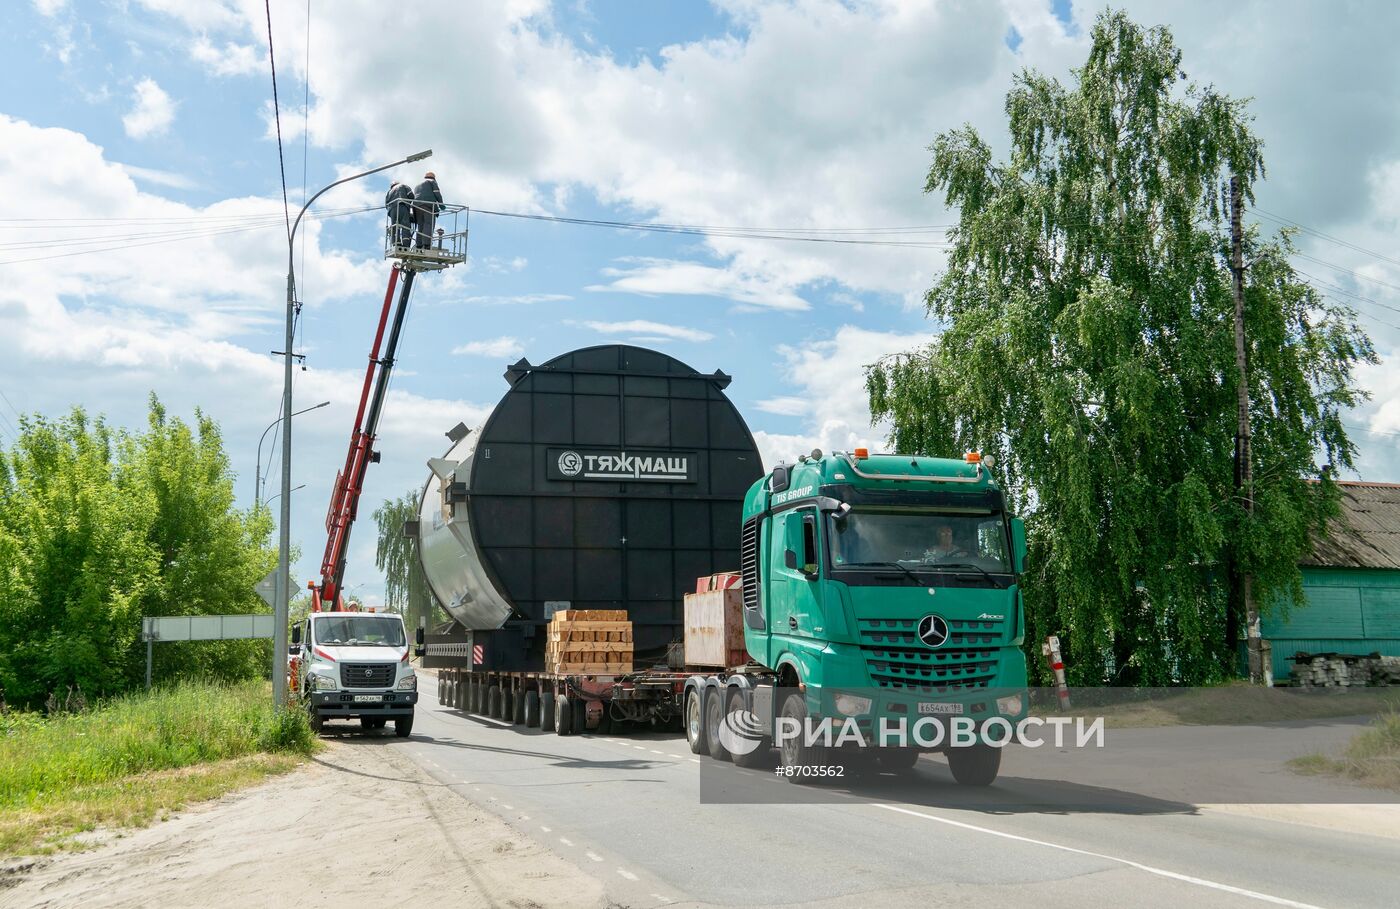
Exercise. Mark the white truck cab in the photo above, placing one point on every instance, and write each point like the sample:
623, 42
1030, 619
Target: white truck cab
355, 665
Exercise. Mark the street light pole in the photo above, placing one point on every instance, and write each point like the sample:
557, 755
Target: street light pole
257, 468
278, 494
284, 537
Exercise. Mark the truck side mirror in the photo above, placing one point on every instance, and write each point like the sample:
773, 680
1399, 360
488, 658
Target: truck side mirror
296, 635
1018, 544
418, 642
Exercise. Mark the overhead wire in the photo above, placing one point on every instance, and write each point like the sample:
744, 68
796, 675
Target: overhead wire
277, 117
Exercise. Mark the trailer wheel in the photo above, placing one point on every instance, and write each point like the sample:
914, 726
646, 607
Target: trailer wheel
472, 702
695, 723
975, 765
532, 708
714, 718
507, 705
493, 702
546, 710
761, 754
519, 708
794, 751
563, 716
580, 716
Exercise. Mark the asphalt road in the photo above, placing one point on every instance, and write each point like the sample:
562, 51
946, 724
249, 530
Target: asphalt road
627, 809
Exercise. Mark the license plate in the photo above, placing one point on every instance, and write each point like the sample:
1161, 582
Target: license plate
939, 707
368, 698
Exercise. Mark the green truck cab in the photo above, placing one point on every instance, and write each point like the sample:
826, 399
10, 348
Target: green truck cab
882, 589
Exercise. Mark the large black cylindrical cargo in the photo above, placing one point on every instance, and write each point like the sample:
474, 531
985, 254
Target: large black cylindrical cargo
608, 478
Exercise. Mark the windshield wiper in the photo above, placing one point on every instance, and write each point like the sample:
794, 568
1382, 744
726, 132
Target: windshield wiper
904, 568
959, 565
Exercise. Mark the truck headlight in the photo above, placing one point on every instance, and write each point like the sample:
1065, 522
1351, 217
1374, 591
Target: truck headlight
1010, 705
407, 683
852, 705
324, 683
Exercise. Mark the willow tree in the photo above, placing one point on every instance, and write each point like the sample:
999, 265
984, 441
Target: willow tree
405, 587
1089, 346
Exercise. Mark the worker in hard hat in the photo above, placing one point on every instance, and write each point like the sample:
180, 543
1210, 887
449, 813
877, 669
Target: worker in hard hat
427, 202
398, 202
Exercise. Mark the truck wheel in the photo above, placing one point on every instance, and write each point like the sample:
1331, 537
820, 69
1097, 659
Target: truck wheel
318, 722
403, 725
563, 716
714, 717
695, 723
493, 702
761, 753
794, 751
546, 710
519, 699
976, 765
532, 708
580, 716
507, 705
897, 760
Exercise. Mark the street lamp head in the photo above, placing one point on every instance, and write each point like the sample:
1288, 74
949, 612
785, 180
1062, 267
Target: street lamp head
319, 406
420, 156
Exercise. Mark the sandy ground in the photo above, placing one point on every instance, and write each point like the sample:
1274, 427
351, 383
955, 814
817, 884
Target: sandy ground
359, 825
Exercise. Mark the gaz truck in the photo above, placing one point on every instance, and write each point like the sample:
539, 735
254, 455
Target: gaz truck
354, 665
878, 590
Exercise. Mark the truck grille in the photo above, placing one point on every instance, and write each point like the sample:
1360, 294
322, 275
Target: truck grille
748, 563
897, 659
366, 675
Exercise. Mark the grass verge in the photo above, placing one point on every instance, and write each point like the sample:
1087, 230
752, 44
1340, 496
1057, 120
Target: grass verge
1372, 758
1237, 704
137, 758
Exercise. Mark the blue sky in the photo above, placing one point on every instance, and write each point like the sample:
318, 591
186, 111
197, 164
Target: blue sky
808, 114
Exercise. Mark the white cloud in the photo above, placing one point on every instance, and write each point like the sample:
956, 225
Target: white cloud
831, 375
652, 330
50, 7
151, 113
230, 60
159, 177
494, 347
653, 277
516, 299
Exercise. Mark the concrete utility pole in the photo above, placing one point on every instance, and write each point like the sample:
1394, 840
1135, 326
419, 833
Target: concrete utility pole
284, 537
1244, 472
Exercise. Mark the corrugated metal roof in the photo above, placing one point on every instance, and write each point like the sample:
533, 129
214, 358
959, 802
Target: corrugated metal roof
1367, 532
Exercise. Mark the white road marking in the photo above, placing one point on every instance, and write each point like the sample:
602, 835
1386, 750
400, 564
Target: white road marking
664, 899
507, 807
594, 856
1160, 872
524, 817
695, 760
654, 751
639, 747
490, 720
566, 841
546, 829
627, 874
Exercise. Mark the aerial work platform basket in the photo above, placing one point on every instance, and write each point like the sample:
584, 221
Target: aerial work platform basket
445, 248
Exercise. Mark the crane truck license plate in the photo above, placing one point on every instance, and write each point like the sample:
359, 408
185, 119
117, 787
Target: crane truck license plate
368, 698
938, 707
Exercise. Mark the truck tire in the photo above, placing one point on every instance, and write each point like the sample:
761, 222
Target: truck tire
695, 723
547, 710
507, 705
318, 722
519, 698
976, 765
760, 755
532, 708
493, 702
580, 716
795, 752
714, 718
403, 726
563, 716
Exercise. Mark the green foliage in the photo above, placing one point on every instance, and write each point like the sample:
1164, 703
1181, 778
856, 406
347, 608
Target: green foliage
1089, 347
178, 726
99, 527
405, 587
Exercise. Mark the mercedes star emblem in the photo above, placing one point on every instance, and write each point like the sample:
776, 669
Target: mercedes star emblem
933, 630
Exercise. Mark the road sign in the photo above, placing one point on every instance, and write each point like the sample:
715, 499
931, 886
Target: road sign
267, 588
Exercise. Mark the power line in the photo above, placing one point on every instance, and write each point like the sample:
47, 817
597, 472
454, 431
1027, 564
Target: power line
1377, 432
1317, 233
277, 116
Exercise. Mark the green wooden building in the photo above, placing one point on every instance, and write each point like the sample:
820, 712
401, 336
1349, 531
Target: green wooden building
1351, 584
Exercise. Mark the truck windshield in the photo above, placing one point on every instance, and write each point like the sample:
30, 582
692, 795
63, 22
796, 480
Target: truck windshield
360, 629
920, 540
